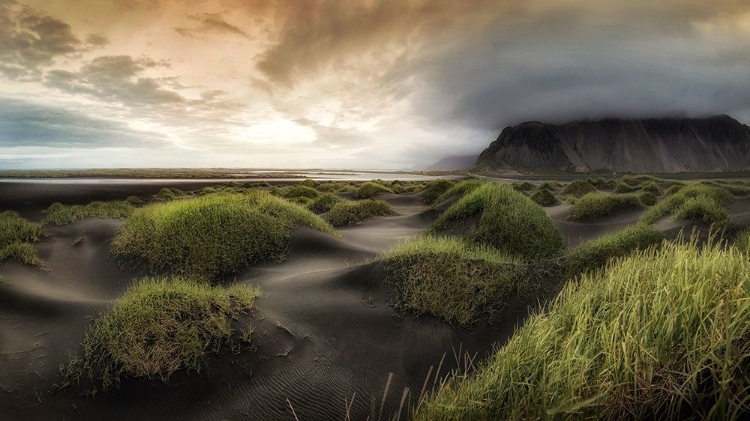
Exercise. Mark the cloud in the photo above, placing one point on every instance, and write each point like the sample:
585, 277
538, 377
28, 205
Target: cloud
97, 40
118, 78
28, 124
30, 39
210, 22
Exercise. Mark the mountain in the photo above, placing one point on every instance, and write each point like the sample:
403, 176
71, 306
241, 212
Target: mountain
452, 163
718, 143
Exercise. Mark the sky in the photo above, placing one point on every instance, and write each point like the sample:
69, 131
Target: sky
348, 84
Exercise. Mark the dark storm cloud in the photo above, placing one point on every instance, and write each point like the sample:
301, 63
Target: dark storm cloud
210, 22
30, 39
24, 123
118, 78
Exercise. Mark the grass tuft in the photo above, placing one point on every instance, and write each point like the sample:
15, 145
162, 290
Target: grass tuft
211, 236
160, 326
350, 213
58, 214
598, 205
370, 189
446, 278
578, 188
324, 203
545, 198
621, 187
16, 234
692, 201
433, 191
507, 221
459, 189
23, 253
663, 334
596, 253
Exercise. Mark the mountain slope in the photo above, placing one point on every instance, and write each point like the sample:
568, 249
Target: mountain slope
718, 143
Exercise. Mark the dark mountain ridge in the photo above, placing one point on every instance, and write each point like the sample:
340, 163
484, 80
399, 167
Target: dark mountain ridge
667, 145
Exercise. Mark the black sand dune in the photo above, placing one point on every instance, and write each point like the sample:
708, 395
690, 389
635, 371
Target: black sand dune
325, 340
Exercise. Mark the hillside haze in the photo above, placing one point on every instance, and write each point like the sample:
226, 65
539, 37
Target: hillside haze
714, 144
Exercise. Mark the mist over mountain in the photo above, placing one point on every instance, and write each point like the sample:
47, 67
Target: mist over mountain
713, 144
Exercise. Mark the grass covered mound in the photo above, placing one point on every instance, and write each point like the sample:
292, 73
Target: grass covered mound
578, 188
58, 214
160, 326
661, 335
446, 278
599, 205
651, 187
621, 187
370, 189
596, 253
550, 185
298, 191
349, 212
545, 197
16, 234
458, 189
210, 236
324, 203
693, 201
433, 191
169, 193
507, 220
742, 241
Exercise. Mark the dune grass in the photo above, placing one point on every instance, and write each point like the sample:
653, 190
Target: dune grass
16, 236
458, 189
58, 214
598, 205
370, 189
578, 188
648, 198
663, 334
621, 187
160, 326
294, 192
433, 191
349, 212
446, 278
602, 183
652, 187
324, 203
545, 197
523, 187
211, 236
169, 193
507, 220
693, 201
596, 253
550, 185
742, 241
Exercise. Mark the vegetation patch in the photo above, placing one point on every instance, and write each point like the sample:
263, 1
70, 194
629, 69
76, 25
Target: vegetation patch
596, 253
598, 205
324, 203
58, 214
602, 183
16, 234
310, 183
160, 326
550, 185
446, 278
350, 213
661, 335
742, 241
651, 187
458, 189
211, 236
299, 191
693, 201
623, 188
434, 189
648, 198
370, 189
168, 193
545, 198
507, 220
578, 188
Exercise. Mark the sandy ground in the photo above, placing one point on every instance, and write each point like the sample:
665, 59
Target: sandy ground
325, 341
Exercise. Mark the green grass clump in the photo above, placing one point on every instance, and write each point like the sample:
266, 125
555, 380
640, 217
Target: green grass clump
207, 237
458, 189
602, 183
648, 198
651, 187
596, 253
742, 241
310, 183
168, 193
370, 189
23, 253
300, 191
507, 220
58, 214
134, 200
446, 278
15, 229
674, 188
599, 205
160, 326
545, 197
661, 335
550, 185
434, 189
578, 188
692, 201
523, 187
324, 203
623, 188
635, 180
349, 212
